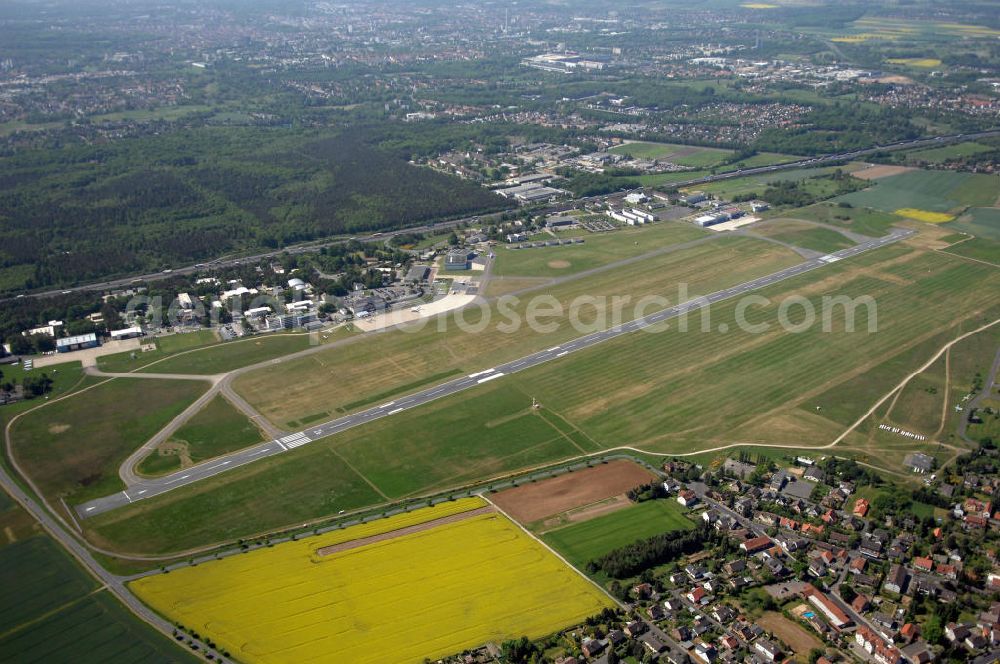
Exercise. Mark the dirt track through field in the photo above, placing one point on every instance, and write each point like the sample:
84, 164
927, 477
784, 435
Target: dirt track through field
408, 530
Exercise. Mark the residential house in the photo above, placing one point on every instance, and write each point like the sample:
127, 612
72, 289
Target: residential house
687, 497
768, 649
896, 579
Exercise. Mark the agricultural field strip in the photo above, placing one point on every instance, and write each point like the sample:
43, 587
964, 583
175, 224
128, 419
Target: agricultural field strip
152, 487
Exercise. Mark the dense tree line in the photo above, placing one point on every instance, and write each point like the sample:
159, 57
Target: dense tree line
76, 213
643, 492
657, 550
839, 127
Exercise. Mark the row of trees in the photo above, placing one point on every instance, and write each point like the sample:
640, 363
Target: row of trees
642, 554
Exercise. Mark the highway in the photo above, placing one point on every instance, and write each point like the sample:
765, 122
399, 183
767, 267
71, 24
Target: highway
445, 225
153, 487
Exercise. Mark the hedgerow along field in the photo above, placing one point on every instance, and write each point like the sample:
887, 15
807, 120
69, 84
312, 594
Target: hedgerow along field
51, 610
582, 542
360, 605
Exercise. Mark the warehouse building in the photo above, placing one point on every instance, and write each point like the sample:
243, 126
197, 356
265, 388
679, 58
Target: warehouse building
79, 342
457, 259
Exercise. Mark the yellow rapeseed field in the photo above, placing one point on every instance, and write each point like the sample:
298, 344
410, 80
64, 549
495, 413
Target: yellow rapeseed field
925, 215
915, 62
425, 594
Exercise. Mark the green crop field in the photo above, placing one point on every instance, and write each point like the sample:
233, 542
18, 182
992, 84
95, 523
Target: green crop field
682, 155
51, 611
757, 184
944, 153
979, 249
864, 221
216, 429
805, 235
598, 249
379, 364
667, 179
935, 191
73, 447
582, 542
981, 222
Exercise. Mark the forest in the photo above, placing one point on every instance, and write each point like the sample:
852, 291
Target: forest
79, 213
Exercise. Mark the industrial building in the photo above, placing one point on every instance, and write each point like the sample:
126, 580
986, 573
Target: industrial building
79, 342
126, 333
457, 259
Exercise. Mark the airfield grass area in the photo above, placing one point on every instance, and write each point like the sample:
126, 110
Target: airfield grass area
72, 448
581, 542
597, 250
805, 235
214, 357
378, 364
674, 390
347, 606
926, 405
864, 221
933, 191
216, 429
670, 392
52, 610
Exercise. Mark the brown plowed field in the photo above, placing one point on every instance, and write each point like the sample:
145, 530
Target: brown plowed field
532, 502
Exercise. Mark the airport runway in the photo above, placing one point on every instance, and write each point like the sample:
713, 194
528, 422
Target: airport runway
154, 487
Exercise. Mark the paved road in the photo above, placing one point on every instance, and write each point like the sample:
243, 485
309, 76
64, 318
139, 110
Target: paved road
153, 487
445, 225
114, 583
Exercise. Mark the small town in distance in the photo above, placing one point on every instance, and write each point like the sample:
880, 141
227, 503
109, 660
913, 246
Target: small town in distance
503, 333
